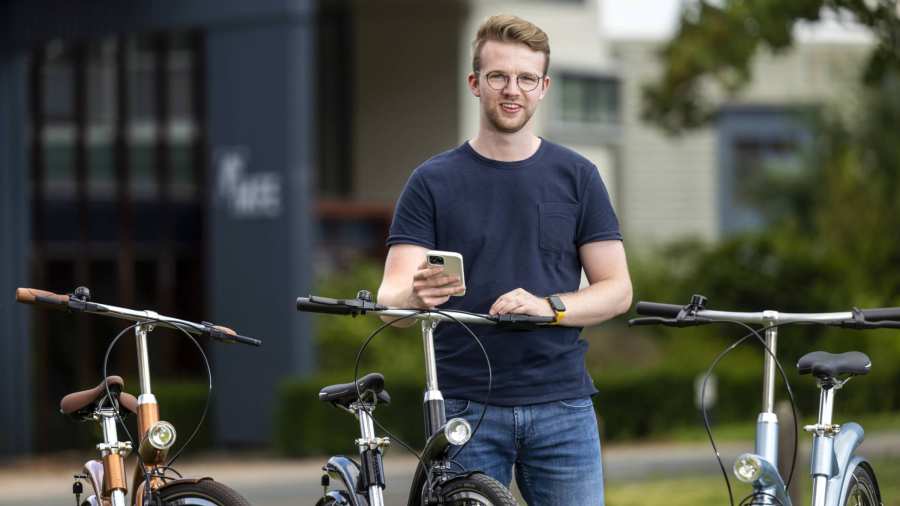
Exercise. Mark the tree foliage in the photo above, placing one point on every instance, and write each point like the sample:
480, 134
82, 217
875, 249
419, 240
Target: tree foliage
712, 51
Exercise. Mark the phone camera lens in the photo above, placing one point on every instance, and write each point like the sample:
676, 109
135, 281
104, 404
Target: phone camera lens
436, 260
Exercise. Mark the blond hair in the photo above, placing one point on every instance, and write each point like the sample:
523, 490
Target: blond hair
506, 28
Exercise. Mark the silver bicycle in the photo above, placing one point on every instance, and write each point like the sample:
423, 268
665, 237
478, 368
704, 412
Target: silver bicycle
839, 476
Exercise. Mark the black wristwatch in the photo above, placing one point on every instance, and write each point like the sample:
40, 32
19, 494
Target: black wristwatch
558, 307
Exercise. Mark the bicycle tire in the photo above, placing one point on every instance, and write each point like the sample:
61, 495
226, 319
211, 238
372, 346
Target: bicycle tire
477, 490
201, 493
863, 488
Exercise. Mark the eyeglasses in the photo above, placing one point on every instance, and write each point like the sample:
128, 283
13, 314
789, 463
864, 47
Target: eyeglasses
526, 82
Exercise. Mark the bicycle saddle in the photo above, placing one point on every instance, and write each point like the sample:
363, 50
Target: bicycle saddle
824, 365
345, 393
81, 405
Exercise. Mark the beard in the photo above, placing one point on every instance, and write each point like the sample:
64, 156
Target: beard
508, 125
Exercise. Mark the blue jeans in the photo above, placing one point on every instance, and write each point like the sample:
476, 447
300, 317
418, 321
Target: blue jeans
555, 448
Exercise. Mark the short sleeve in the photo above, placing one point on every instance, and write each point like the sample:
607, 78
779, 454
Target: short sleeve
413, 221
597, 220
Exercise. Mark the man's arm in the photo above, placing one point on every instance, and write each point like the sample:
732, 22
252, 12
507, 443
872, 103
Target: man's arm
409, 282
607, 295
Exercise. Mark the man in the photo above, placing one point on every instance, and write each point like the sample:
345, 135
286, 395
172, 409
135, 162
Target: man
527, 215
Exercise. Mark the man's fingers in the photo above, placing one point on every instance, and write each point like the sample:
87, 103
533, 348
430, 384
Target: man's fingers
427, 273
438, 281
438, 292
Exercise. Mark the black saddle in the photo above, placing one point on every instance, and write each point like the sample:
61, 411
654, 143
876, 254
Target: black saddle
344, 394
829, 366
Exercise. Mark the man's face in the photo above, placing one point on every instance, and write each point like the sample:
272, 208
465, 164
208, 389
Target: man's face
509, 108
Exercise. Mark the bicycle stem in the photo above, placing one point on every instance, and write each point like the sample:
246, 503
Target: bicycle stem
434, 400
143, 356
148, 408
767, 422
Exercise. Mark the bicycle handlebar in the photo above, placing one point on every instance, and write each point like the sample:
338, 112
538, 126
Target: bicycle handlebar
73, 303
695, 313
354, 307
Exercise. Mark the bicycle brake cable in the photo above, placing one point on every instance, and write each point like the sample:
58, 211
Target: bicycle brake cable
753, 333
487, 360
359, 354
190, 439
377, 331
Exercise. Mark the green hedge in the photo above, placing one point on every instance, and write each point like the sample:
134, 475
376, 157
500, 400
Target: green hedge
645, 404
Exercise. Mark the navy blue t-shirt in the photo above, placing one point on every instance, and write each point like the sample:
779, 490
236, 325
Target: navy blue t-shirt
517, 225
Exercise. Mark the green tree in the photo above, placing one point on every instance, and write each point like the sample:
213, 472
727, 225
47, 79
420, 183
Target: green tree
712, 51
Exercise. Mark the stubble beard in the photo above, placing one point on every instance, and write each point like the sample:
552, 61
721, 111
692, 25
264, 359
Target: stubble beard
505, 126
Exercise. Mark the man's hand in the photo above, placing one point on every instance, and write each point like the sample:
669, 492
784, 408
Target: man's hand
520, 301
431, 287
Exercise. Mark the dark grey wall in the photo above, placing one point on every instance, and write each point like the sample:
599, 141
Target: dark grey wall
260, 110
260, 59
15, 352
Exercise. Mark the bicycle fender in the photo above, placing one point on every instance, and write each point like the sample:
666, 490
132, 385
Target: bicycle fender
137, 498
843, 482
435, 449
94, 471
340, 497
845, 444
347, 471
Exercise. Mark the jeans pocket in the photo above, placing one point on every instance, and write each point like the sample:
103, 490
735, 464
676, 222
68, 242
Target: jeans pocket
577, 403
455, 407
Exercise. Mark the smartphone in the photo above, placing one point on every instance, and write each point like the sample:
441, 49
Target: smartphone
451, 262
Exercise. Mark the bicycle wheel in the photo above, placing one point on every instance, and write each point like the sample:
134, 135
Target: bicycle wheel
202, 493
863, 488
477, 490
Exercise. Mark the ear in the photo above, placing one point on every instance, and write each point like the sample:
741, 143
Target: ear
472, 80
545, 87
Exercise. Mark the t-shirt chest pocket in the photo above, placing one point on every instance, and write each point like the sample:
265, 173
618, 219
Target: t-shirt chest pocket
558, 221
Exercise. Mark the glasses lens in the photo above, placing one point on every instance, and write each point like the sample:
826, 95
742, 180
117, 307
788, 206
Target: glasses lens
528, 82
497, 80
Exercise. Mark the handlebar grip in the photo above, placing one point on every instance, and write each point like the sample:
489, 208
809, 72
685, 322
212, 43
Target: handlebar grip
657, 309
35, 296
235, 337
881, 313
304, 304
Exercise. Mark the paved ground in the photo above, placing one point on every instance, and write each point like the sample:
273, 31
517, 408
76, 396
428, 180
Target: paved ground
279, 482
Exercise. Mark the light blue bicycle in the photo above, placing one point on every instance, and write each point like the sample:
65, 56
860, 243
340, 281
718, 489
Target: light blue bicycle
839, 476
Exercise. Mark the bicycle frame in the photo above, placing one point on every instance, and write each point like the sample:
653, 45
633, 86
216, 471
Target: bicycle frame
364, 483
107, 475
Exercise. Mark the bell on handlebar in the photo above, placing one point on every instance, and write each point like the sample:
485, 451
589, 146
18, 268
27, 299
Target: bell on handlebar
82, 293
364, 295
698, 301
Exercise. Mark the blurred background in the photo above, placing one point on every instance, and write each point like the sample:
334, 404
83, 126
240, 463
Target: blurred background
214, 160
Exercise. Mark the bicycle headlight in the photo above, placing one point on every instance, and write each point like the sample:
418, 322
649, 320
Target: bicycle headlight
458, 431
161, 435
747, 468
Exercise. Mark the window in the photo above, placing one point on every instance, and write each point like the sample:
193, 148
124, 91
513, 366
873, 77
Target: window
116, 178
588, 100
760, 149
585, 109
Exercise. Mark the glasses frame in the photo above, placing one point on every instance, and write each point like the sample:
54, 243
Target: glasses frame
506, 79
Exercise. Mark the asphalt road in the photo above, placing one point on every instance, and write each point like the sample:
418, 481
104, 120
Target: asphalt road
279, 482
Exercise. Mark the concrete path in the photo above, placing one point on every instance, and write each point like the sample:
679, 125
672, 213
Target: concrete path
281, 482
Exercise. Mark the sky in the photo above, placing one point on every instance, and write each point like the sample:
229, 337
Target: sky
657, 19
